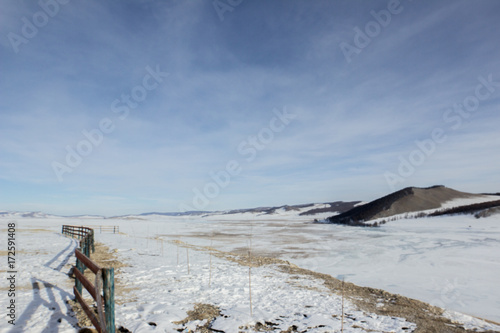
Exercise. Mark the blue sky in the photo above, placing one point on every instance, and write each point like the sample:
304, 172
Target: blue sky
243, 103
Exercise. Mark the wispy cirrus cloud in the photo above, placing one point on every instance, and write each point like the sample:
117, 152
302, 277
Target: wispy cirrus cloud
352, 123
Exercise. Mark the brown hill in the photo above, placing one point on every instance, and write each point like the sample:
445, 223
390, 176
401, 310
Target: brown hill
410, 199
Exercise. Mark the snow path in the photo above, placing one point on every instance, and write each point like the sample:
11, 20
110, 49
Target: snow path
43, 259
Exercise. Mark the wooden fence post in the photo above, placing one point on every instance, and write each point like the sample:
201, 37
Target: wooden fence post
105, 277
80, 267
108, 279
85, 246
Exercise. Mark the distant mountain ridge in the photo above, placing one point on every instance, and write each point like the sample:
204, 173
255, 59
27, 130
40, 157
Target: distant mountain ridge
407, 200
310, 209
302, 210
333, 207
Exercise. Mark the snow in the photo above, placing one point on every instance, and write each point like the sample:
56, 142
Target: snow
275, 297
446, 205
43, 258
469, 201
451, 262
468, 322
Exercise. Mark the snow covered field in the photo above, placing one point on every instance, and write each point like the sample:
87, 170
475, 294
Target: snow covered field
451, 262
41, 284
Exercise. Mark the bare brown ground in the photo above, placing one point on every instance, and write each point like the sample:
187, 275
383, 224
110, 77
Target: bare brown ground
4, 253
423, 199
428, 318
201, 311
27, 230
210, 312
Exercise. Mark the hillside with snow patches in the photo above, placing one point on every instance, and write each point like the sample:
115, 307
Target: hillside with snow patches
409, 201
450, 262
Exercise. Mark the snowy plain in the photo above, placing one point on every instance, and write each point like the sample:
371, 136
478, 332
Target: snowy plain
452, 262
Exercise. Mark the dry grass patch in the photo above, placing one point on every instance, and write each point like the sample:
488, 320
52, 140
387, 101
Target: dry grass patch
428, 318
28, 230
200, 312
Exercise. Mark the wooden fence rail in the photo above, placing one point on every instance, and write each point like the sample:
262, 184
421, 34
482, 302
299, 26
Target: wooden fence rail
102, 291
115, 229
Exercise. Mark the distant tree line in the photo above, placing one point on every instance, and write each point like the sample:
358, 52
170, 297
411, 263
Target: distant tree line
468, 209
